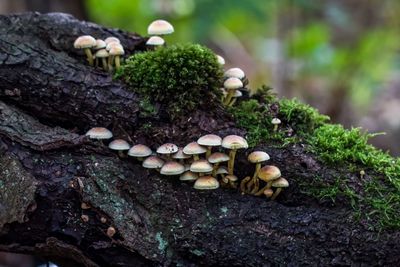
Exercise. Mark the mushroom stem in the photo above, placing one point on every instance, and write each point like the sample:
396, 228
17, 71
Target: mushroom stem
214, 171
228, 98
196, 157
121, 154
269, 184
243, 184
232, 102
110, 61
254, 180
89, 56
231, 162
117, 62
104, 61
208, 153
276, 193
261, 191
275, 127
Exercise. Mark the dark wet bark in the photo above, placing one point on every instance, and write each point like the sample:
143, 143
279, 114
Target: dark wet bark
49, 97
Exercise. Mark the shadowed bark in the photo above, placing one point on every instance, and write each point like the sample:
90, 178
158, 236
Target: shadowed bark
49, 98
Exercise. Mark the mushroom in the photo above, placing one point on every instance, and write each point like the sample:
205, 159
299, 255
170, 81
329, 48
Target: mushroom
188, 176
235, 73
100, 44
99, 133
243, 184
116, 51
235, 97
205, 183
233, 142
279, 184
256, 157
220, 60
268, 174
224, 94
231, 84
172, 168
139, 151
167, 149
103, 54
120, 145
216, 158
111, 231
86, 42
153, 162
209, 140
201, 166
231, 179
180, 155
222, 170
194, 149
112, 39
155, 41
267, 192
276, 122
160, 27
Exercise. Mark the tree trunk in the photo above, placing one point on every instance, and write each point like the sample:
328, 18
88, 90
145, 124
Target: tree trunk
49, 97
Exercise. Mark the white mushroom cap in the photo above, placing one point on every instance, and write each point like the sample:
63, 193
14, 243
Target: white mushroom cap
153, 162
112, 44
85, 41
188, 176
119, 144
112, 40
101, 53
100, 44
206, 182
99, 133
238, 93
218, 157
180, 155
222, 170
234, 72
258, 156
167, 148
140, 151
234, 142
194, 148
160, 27
281, 182
116, 50
220, 60
210, 140
155, 40
276, 121
172, 168
201, 165
233, 83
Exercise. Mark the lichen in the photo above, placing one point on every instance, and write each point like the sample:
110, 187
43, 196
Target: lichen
162, 244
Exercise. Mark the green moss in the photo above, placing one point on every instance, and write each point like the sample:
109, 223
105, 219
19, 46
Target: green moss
147, 109
182, 77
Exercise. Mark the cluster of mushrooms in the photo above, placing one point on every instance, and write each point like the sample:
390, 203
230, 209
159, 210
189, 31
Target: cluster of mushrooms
199, 162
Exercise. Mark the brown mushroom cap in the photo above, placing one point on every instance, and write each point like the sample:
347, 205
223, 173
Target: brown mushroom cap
233, 83
218, 157
269, 173
201, 165
231, 177
234, 142
235, 73
99, 133
188, 176
140, 151
172, 168
210, 140
167, 148
206, 182
180, 155
281, 182
258, 156
268, 192
160, 27
84, 41
155, 40
194, 148
119, 144
153, 162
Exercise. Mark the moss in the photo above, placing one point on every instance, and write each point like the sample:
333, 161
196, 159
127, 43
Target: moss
147, 109
182, 77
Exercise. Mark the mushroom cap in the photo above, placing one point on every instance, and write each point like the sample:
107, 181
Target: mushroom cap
206, 182
160, 27
84, 41
116, 50
235, 72
112, 39
269, 173
222, 170
210, 140
231, 177
276, 121
119, 144
281, 182
99, 133
268, 192
220, 60
167, 148
180, 154
234, 142
201, 165
111, 45
139, 150
153, 162
217, 157
233, 83
188, 176
172, 168
258, 156
101, 53
100, 44
194, 148
155, 40
238, 93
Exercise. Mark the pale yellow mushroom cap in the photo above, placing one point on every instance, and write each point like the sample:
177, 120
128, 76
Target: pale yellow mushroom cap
234, 142
101, 53
119, 144
99, 133
238, 93
220, 60
231, 177
153, 162
167, 148
222, 170
194, 148
281, 182
217, 157
155, 40
172, 168
112, 40
233, 83
210, 140
180, 155
100, 44
276, 121
111, 45
188, 176
140, 151
160, 27
116, 50
85, 41
234, 72
201, 165
206, 182
269, 173
258, 156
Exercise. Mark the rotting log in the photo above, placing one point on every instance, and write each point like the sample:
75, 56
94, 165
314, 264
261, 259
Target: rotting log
49, 97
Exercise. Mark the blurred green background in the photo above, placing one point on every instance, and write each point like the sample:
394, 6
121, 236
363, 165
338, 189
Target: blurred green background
341, 56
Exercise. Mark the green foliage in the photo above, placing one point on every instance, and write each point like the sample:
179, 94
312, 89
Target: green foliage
182, 77
147, 109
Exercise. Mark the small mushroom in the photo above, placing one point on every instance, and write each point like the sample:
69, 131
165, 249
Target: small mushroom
206, 183
276, 122
100, 44
194, 149
86, 42
256, 157
268, 174
167, 149
235, 73
180, 155
139, 151
99, 133
216, 158
201, 166
112, 39
279, 184
232, 179
120, 145
116, 51
172, 168
237, 94
220, 60
209, 140
160, 27
111, 231
153, 162
243, 184
188, 176
102, 54
231, 85
233, 142
155, 41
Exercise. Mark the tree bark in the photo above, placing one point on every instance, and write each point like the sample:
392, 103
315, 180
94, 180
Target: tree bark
49, 97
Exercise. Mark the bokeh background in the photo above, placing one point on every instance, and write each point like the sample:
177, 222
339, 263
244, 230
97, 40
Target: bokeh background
341, 56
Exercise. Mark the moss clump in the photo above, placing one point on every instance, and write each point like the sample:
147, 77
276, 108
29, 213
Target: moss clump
182, 77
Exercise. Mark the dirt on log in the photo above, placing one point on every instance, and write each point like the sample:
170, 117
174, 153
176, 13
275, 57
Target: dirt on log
59, 192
